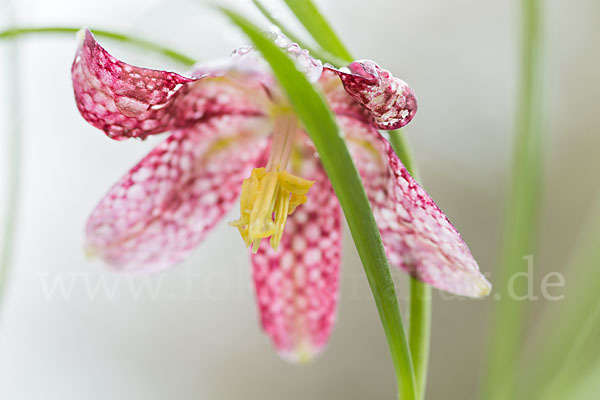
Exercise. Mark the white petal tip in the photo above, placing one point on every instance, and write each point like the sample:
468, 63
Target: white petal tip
91, 252
81, 36
484, 288
303, 354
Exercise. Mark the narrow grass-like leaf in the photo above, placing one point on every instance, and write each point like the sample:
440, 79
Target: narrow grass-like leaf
588, 385
12, 166
578, 357
420, 293
521, 214
318, 53
320, 124
169, 53
309, 15
562, 352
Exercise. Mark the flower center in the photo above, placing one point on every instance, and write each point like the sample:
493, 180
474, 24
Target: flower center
271, 193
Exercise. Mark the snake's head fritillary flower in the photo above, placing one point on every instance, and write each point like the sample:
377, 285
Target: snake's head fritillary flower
233, 134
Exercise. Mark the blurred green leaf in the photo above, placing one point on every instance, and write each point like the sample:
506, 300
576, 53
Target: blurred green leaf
564, 347
165, 51
320, 124
588, 386
519, 233
12, 164
318, 53
314, 22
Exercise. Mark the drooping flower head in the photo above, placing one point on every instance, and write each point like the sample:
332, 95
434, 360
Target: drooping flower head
233, 134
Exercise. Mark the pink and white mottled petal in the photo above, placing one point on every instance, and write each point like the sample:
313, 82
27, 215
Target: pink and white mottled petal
245, 70
297, 286
230, 94
390, 101
127, 101
121, 99
340, 102
417, 235
162, 209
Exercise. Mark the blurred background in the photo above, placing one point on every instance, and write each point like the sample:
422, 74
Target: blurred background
72, 329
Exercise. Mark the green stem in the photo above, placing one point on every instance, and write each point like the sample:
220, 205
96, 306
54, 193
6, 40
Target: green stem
521, 216
420, 293
420, 330
172, 54
318, 53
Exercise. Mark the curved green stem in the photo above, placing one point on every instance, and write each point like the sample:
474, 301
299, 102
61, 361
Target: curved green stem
172, 54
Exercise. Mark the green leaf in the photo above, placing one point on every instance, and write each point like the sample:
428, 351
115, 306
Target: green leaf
318, 53
12, 166
420, 293
320, 124
588, 385
172, 54
521, 215
314, 22
563, 352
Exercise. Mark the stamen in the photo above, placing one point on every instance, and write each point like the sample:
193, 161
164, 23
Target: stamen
270, 194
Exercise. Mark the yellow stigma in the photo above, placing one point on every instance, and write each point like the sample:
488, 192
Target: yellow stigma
270, 194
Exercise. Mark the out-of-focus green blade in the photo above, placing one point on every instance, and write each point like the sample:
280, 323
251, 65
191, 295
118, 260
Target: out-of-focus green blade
567, 336
170, 53
588, 386
519, 236
420, 297
318, 53
320, 124
309, 15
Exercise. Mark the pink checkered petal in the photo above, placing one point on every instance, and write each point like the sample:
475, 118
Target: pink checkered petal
163, 208
340, 102
122, 100
417, 235
126, 101
297, 286
390, 101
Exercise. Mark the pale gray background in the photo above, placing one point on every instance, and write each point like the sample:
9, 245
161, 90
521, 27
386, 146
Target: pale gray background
458, 56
